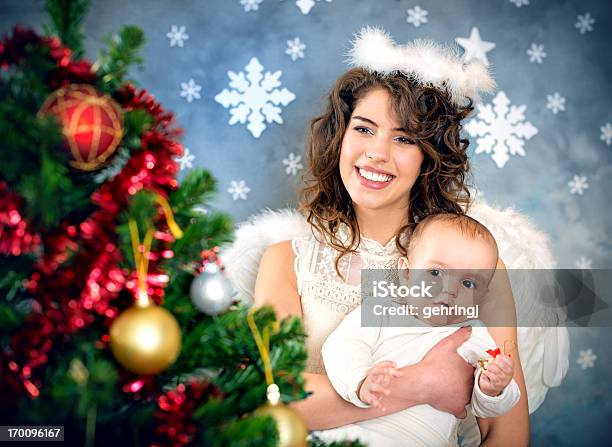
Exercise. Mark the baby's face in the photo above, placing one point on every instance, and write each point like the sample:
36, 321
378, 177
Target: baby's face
461, 268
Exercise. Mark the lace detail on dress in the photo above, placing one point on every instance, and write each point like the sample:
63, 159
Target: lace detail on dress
326, 297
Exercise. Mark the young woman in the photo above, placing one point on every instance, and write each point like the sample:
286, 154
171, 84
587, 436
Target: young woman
385, 153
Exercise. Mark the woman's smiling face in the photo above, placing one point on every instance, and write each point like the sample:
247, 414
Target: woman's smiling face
379, 163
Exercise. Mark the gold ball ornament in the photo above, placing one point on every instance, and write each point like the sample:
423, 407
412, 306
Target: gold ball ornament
145, 339
292, 431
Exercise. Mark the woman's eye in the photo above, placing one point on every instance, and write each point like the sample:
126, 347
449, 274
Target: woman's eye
363, 130
468, 284
405, 140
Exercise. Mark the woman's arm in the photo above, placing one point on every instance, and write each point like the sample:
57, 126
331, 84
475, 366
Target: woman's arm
441, 379
276, 285
513, 427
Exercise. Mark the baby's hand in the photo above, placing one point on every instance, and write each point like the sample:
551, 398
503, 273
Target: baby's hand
375, 386
497, 376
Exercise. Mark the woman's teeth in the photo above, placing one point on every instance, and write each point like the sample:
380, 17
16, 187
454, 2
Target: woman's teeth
375, 177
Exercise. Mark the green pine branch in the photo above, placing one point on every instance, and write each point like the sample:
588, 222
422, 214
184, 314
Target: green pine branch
67, 22
122, 51
225, 344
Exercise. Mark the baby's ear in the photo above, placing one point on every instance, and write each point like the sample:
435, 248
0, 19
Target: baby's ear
402, 263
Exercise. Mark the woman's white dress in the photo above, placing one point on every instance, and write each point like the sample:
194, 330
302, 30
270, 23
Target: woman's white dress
326, 297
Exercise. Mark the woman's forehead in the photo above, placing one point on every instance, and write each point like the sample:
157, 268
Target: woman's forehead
377, 105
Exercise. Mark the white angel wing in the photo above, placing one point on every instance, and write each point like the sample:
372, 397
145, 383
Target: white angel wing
544, 350
544, 347
241, 258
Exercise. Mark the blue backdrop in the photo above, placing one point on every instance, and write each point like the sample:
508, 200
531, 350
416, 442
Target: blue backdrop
245, 77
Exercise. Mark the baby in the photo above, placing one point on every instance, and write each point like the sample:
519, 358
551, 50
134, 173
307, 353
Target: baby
457, 256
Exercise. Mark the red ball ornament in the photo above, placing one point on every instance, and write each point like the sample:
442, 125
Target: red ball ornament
92, 123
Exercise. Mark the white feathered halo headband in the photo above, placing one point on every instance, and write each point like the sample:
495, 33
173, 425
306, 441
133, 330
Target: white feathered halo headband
423, 61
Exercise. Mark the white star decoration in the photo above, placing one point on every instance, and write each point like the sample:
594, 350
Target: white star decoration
293, 164
177, 36
578, 184
585, 23
295, 49
586, 359
238, 190
584, 263
475, 47
255, 97
501, 129
606, 133
190, 90
306, 5
536, 53
185, 160
251, 5
417, 16
555, 102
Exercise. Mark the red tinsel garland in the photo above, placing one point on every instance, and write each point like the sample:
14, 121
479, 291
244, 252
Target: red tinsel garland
16, 236
68, 298
175, 424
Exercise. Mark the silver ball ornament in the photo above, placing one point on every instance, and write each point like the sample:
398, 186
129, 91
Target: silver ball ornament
211, 292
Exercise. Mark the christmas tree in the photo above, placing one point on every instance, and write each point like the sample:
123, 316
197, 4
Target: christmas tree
116, 320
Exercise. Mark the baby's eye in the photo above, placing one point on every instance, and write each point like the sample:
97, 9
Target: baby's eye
435, 272
363, 130
405, 140
468, 284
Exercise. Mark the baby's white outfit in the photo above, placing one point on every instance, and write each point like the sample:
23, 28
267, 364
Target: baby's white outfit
352, 350
326, 299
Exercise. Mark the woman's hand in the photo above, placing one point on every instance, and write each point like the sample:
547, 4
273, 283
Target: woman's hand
446, 378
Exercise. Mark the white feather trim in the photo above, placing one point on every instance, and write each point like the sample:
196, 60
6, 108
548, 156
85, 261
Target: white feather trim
241, 258
425, 61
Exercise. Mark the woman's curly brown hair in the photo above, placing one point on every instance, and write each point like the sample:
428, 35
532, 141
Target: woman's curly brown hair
432, 121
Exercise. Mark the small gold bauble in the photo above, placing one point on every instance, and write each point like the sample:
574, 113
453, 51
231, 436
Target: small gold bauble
292, 431
145, 339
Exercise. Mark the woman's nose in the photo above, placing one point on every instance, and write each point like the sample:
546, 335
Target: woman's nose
377, 150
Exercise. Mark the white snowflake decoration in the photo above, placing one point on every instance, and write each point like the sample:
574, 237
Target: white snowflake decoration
251, 5
578, 184
190, 90
555, 102
293, 163
185, 160
501, 129
519, 3
177, 36
586, 359
238, 190
254, 97
584, 263
585, 23
306, 5
606, 133
417, 16
475, 47
536, 53
295, 49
